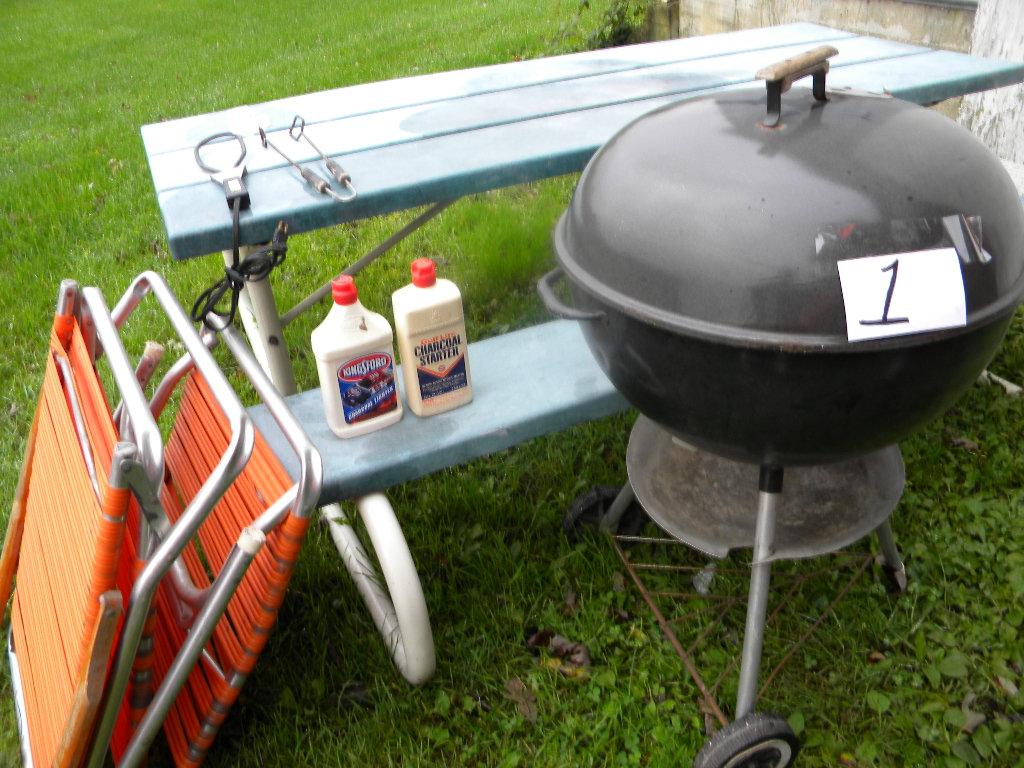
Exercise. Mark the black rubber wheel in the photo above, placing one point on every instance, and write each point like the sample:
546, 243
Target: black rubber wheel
587, 509
759, 740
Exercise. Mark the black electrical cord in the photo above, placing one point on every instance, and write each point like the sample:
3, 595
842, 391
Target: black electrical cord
216, 137
253, 268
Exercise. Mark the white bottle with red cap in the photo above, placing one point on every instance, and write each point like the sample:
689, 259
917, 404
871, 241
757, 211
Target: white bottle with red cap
431, 330
354, 351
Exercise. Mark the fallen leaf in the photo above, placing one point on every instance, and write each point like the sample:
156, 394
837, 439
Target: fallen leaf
618, 581
539, 638
703, 579
566, 670
357, 693
846, 760
876, 657
30, 97
972, 720
517, 692
1007, 686
573, 653
568, 657
963, 442
959, 441
569, 606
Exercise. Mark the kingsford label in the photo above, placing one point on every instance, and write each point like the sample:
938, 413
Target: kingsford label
367, 386
355, 369
441, 364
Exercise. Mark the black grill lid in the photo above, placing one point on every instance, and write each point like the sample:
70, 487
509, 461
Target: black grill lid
698, 217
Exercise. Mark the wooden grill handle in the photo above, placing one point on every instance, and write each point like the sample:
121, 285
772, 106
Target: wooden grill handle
781, 75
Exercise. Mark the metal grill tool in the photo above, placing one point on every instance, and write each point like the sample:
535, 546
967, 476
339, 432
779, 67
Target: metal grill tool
313, 179
298, 133
232, 179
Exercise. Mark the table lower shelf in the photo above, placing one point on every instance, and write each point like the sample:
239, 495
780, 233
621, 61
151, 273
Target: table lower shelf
526, 384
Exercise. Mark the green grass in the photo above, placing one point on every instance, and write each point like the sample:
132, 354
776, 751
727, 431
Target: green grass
76, 200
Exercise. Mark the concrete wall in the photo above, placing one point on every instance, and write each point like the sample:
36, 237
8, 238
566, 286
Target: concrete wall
993, 28
997, 116
936, 24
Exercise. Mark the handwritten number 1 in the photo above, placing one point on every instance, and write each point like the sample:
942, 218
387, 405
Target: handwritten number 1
885, 319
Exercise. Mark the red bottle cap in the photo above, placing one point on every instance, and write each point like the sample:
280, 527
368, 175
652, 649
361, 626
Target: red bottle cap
424, 273
343, 289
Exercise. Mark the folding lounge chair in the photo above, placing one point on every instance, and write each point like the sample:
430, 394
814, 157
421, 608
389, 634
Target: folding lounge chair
145, 577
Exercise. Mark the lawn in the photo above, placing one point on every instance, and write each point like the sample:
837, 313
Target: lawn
928, 679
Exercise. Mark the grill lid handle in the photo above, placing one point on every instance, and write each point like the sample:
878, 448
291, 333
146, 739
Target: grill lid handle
781, 75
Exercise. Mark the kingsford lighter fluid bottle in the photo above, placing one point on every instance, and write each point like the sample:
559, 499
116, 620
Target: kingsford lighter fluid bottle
354, 351
431, 334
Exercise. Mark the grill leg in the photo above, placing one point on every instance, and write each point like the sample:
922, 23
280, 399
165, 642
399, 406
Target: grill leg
760, 580
610, 522
890, 558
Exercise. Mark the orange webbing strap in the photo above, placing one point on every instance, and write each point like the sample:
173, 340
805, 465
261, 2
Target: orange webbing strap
102, 439
198, 439
61, 335
140, 690
65, 610
98, 414
287, 541
16, 522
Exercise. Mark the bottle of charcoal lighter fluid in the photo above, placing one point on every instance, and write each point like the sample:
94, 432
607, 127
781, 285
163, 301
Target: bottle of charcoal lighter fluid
431, 332
354, 351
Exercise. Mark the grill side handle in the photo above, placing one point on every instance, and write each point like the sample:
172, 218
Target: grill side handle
554, 305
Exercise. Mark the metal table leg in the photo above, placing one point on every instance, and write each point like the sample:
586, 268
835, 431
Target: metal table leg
399, 610
262, 323
395, 601
760, 580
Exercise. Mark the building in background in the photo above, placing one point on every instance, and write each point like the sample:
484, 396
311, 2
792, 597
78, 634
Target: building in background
992, 28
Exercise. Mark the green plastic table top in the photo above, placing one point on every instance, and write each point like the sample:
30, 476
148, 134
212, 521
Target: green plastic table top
525, 384
419, 140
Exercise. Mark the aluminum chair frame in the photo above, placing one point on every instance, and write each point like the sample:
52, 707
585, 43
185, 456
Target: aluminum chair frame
139, 462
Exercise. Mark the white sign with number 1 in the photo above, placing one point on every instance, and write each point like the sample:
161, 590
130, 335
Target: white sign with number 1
902, 293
